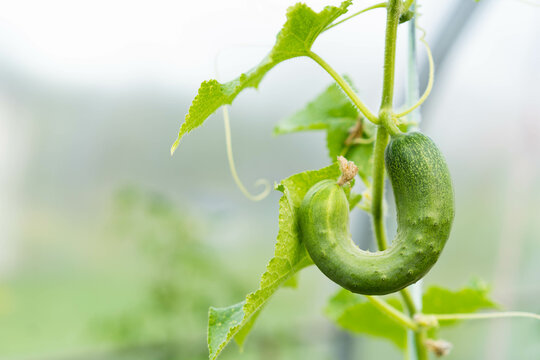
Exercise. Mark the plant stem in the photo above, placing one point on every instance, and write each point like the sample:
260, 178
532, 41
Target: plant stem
377, 191
346, 88
392, 21
393, 10
485, 316
385, 117
419, 334
419, 342
407, 5
409, 303
382, 134
393, 313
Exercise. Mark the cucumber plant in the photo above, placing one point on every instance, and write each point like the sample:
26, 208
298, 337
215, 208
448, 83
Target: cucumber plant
314, 209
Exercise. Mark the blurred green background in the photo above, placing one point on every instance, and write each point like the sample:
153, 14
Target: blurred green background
111, 249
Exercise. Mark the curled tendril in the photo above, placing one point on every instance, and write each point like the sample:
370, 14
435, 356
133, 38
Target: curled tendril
232, 168
431, 76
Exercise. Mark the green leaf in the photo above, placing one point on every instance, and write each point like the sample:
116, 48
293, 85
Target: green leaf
292, 282
242, 334
354, 199
290, 256
296, 37
356, 314
220, 321
336, 134
360, 154
438, 300
341, 301
330, 106
333, 111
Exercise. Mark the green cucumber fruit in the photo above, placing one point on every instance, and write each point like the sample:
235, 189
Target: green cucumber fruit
425, 210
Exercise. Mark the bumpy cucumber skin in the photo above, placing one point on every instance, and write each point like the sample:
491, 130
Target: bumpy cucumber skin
425, 210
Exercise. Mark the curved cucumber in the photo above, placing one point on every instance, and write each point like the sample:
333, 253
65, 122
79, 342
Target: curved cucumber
425, 211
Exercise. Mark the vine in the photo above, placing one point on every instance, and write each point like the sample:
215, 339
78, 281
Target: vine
370, 148
429, 86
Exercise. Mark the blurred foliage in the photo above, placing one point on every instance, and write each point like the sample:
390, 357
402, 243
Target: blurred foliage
355, 313
183, 277
140, 289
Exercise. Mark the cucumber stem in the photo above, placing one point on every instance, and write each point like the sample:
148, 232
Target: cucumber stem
393, 313
386, 110
392, 22
378, 188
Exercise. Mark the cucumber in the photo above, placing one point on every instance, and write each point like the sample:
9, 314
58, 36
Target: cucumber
425, 211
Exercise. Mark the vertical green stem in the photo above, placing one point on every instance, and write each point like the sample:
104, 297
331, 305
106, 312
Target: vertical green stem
392, 22
419, 335
419, 341
409, 303
385, 112
377, 212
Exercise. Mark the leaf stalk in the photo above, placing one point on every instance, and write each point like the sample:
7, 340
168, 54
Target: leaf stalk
393, 313
346, 87
480, 316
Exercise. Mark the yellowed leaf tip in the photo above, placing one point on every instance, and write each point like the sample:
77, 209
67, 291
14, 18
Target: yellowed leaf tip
174, 146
